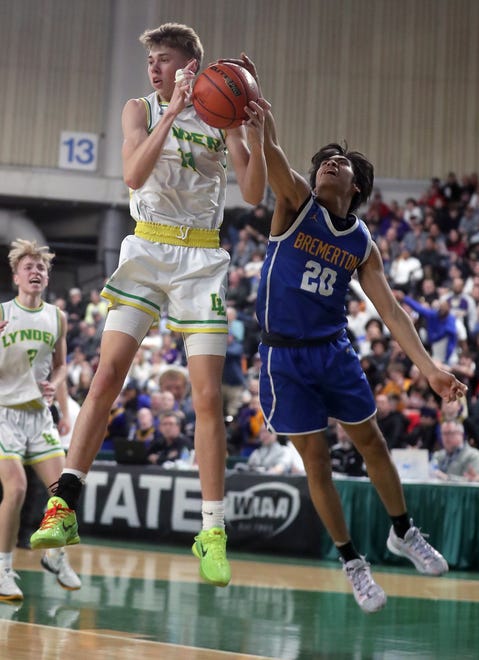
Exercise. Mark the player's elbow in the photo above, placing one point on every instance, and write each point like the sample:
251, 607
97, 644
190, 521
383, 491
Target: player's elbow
132, 181
253, 198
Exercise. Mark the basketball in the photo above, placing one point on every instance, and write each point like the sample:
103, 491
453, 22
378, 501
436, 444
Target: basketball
221, 92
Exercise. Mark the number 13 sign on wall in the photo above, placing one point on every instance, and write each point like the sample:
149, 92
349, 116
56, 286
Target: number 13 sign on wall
78, 151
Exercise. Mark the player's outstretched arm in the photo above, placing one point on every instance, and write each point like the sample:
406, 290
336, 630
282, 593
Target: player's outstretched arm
375, 286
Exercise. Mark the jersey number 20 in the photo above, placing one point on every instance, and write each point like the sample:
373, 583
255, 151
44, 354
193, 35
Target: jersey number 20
317, 279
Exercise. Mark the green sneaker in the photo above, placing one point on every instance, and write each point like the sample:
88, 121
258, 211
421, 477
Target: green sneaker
58, 527
210, 548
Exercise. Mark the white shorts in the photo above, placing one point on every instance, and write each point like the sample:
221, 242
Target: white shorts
187, 284
28, 435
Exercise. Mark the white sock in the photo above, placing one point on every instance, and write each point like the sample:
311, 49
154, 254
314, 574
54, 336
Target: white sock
5, 560
80, 475
213, 514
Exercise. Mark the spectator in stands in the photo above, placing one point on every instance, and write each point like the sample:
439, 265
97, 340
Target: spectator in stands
171, 443
374, 330
175, 379
469, 223
144, 428
270, 457
258, 222
406, 271
170, 350
119, 424
233, 382
133, 398
433, 262
357, 319
140, 369
252, 372
415, 239
161, 402
428, 292
412, 213
242, 249
379, 356
463, 307
440, 240
391, 421
88, 340
458, 460
425, 435
465, 369
297, 464
239, 288
76, 305
432, 193
396, 382
379, 208
451, 189
249, 422
345, 458
441, 327
96, 305
453, 410
455, 243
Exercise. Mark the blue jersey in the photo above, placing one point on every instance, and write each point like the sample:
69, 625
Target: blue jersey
306, 273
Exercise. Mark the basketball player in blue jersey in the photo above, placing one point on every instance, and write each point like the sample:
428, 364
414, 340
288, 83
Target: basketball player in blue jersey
310, 372
175, 166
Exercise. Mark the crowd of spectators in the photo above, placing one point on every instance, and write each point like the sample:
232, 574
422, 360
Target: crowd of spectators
430, 250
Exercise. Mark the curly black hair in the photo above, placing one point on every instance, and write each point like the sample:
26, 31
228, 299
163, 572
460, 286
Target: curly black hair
362, 168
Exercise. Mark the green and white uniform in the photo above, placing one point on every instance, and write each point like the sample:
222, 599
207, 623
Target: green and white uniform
173, 264
27, 430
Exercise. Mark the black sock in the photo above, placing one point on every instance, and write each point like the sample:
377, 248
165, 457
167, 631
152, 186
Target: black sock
348, 552
68, 488
401, 524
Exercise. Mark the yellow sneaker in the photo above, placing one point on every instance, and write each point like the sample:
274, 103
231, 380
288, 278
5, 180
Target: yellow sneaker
210, 548
58, 527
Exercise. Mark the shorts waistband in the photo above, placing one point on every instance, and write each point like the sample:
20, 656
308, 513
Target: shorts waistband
173, 235
280, 341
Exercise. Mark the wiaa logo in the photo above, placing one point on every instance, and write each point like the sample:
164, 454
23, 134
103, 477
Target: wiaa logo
273, 506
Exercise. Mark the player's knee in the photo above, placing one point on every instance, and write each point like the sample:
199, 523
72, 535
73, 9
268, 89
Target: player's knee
14, 492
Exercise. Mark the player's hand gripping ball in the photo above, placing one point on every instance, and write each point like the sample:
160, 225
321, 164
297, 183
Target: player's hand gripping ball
221, 92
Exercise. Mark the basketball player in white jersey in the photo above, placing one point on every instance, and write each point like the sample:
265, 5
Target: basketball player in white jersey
175, 165
32, 371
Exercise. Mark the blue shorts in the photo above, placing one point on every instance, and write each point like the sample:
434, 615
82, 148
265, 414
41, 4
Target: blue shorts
300, 388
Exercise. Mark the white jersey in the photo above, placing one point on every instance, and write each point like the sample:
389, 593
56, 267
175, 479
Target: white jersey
26, 347
188, 184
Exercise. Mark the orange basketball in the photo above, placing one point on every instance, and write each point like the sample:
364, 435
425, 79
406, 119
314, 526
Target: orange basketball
221, 92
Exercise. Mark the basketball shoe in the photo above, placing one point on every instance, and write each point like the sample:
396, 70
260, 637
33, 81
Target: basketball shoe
368, 595
414, 547
56, 561
9, 589
58, 527
210, 548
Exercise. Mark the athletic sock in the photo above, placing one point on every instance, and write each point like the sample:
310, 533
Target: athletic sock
213, 513
5, 560
68, 488
347, 551
401, 524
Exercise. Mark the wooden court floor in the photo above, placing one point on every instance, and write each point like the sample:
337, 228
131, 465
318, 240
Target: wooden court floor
138, 601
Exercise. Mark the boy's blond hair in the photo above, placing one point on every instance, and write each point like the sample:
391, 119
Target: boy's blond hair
23, 248
175, 35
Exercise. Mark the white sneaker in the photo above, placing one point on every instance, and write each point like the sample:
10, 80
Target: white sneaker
56, 561
9, 589
415, 548
369, 595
